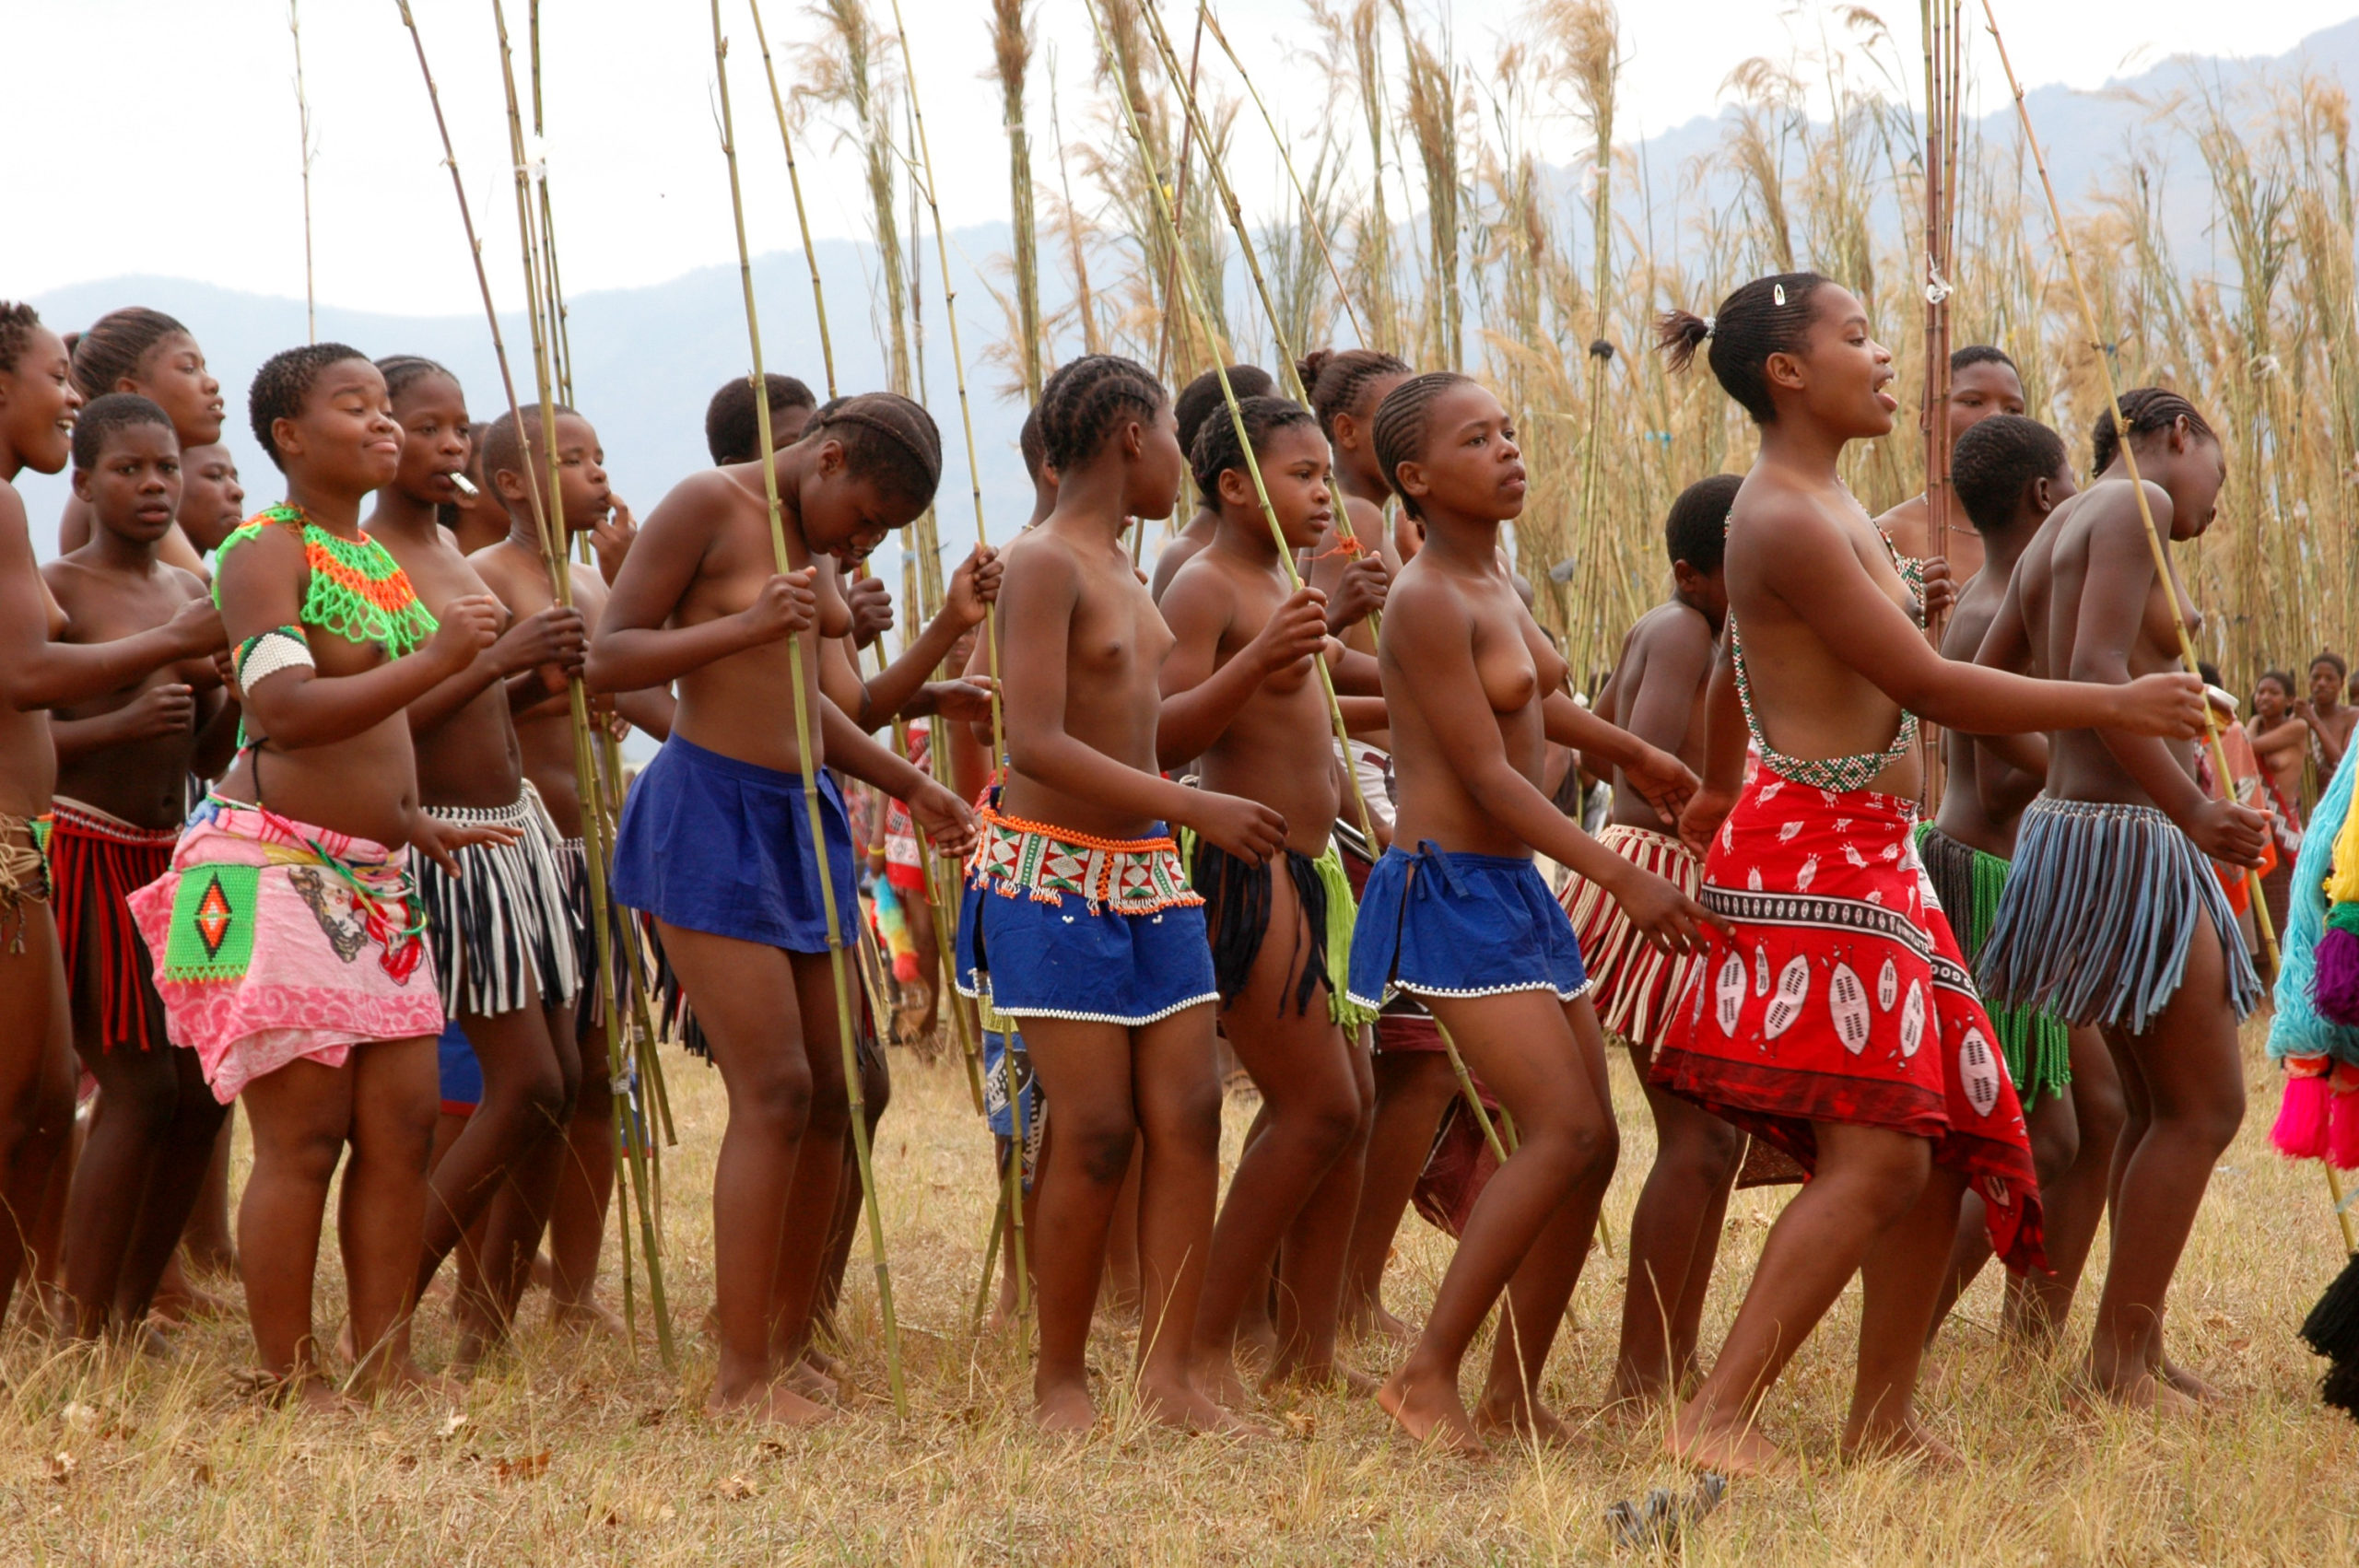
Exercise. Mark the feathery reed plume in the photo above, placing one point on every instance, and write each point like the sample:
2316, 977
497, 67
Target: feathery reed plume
782, 562
1433, 123
1012, 58
1092, 339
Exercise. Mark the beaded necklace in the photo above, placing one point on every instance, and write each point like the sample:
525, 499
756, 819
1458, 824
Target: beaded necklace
356, 590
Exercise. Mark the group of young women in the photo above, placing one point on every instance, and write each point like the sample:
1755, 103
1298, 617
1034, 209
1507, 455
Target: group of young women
1290, 793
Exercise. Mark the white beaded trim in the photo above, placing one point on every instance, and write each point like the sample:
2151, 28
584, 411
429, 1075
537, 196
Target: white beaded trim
1398, 986
1006, 1011
273, 651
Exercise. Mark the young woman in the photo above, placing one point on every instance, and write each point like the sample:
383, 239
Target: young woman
1983, 382
286, 936
2278, 739
1473, 690
1837, 1021
1077, 920
124, 762
142, 351
1240, 693
502, 936
38, 404
716, 842
2113, 916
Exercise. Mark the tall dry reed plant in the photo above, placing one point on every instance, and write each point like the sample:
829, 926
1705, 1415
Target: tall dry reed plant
1456, 240
848, 71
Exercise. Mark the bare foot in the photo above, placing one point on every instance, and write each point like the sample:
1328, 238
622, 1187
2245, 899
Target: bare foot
2187, 1383
2137, 1389
543, 1274
1907, 1440
1429, 1410
1516, 1413
310, 1388
1732, 1447
1330, 1378
1369, 1320
175, 1307
826, 1365
777, 1404
405, 1379
810, 1383
1176, 1402
1217, 1378
587, 1317
1064, 1409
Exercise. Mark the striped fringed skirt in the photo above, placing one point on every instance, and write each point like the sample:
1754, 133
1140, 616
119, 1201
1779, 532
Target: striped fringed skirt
2099, 912
502, 934
2036, 1046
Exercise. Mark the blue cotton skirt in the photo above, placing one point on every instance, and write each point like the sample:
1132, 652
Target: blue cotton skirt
1442, 923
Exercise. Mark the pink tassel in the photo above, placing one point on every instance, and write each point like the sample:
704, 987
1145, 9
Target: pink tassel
2300, 1132
2342, 1130
2335, 987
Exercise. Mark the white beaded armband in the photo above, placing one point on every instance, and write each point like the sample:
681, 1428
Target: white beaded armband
259, 657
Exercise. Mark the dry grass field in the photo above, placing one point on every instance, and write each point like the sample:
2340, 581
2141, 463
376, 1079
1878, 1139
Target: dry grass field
580, 1453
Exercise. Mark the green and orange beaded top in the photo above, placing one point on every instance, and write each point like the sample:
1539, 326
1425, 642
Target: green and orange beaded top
356, 590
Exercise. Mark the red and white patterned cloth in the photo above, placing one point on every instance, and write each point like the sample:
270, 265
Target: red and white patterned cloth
1635, 986
1843, 998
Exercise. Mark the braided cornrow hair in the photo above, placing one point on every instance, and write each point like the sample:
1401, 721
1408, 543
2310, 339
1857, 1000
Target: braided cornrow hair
18, 321
1217, 449
1086, 398
2147, 410
1404, 424
115, 344
1334, 379
283, 382
401, 370
1769, 315
887, 438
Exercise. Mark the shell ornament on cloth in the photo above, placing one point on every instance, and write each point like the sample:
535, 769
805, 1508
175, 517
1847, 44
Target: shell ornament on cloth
1912, 1020
1793, 989
1847, 999
1978, 1069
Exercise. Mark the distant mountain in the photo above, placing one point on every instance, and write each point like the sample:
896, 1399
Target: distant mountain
647, 359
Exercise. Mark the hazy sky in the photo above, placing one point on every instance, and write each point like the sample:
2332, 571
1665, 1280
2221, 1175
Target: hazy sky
159, 136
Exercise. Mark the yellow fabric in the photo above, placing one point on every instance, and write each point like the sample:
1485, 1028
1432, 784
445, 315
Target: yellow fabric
2342, 881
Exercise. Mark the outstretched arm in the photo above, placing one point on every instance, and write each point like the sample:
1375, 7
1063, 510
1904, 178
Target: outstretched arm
1814, 571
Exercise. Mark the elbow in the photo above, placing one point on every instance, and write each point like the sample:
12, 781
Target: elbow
598, 673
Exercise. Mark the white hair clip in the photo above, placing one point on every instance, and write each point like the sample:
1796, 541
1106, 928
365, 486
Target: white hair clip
1712, 325
1778, 292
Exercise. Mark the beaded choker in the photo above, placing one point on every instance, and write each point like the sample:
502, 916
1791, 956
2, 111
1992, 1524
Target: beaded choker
356, 590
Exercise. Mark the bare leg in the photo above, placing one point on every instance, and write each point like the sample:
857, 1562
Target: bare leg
1003, 1312
37, 1075
1413, 1089
1522, 1047
584, 1190
1900, 1279
138, 1093
1674, 1236
210, 1246
2189, 1078
1123, 1246
2073, 1202
2055, 1133
530, 1071
1179, 1119
1084, 1070
1867, 1178
843, 1231
748, 1000
175, 1182
1310, 1113
1543, 1285
1307, 1324
928, 956
395, 1088
301, 1116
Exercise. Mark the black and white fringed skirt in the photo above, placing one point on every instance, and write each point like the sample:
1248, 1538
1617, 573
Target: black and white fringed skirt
2098, 915
502, 934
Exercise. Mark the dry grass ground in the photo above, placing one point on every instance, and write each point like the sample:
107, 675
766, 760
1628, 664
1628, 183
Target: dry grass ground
570, 1453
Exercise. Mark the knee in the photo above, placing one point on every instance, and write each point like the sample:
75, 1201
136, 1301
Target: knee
1705, 1148
143, 1105
2212, 1122
540, 1095
304, 1154
1589, 1146
2054, 1146
776, 1096
1331, 1123
1100, 1150
2100, 1112
1892, 1185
